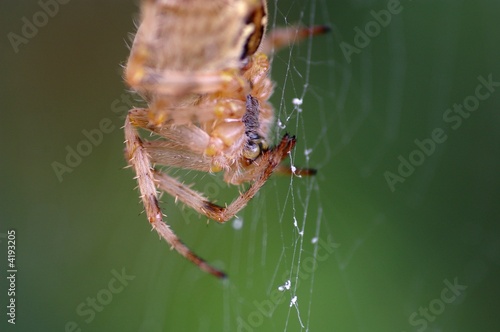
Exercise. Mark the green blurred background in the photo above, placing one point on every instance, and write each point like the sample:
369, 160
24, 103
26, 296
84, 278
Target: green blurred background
394, 250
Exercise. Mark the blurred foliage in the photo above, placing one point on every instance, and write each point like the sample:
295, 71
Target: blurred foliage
396, 248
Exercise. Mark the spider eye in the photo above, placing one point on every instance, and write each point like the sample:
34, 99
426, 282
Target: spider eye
255, 24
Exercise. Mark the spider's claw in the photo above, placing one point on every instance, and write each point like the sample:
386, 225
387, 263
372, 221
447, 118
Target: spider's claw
318, 30
287, 143
203, 265
216, 273
306, 171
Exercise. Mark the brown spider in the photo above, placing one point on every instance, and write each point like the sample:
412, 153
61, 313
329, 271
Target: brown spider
202, 68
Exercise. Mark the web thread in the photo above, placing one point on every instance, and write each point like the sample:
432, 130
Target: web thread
297, 99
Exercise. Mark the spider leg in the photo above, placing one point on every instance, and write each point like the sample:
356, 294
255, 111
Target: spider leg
181, 136
171, 154
261, 172
287, 170
282, 37
138, 158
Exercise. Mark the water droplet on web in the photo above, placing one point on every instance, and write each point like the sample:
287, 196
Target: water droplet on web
286, 286
237, 223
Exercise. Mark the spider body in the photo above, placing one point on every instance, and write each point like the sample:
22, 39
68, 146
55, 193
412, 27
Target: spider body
197, 65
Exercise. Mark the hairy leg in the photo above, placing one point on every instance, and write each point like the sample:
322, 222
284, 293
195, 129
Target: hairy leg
138, 158
259, 173
282, 37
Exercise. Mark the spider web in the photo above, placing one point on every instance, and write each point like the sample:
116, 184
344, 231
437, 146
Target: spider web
285, 251
263, 249
284, 226
285, 266
333, 252
289, 283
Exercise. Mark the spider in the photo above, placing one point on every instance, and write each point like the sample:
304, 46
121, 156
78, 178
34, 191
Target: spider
202, 68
